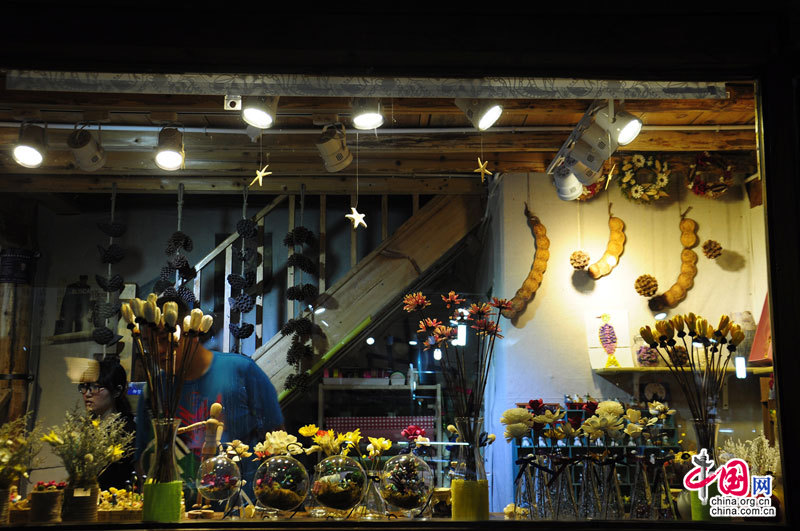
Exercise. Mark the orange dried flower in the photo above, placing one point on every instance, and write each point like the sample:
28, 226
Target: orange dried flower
428, 325
501, 304
452, 299
479, 311
415, 301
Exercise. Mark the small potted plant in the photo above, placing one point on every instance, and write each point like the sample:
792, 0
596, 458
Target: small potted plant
46, 500
18, 446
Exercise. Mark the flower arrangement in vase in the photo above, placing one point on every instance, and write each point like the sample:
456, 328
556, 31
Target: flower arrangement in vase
18, 448
46, 502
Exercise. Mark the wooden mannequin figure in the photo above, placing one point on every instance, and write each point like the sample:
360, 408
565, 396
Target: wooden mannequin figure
213, 434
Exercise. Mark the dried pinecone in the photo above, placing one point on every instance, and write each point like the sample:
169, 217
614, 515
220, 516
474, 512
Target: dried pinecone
302, 326
303, 263
302, 292
112, 255
297, 352
241, 282
247, 228
179, 240
242, 303
104, 310
162, 285
678, 356
167, 273
646, 285
178, 261
298, 236
187, 296
579, 260
299, 382
102, 335
712, 249
170, 294
187, 273
242, 331
115, 229
115, 283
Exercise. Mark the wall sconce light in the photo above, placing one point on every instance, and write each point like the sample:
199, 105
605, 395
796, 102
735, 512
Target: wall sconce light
260, 111
31, 147
481, 113
169, 153
332, 146
367, 113
88, 153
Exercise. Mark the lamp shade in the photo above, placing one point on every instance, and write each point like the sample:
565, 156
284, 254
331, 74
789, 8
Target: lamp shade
367, 113
30, 149
481, 113
624, 128
260, 111
169, 153
89, 154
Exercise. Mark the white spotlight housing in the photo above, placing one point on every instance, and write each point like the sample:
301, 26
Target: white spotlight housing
624, 128
89, 154
260, 111
367, 113
29, 151
568, 186
332, 146
481, 113
169, 153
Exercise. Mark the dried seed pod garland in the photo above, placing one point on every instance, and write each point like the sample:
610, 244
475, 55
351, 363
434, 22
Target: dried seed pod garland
614, 248
115, 283
112, 254
177, 241
242, 331
113, 229
539, 266
646, 285
103, 333
579, 260
242, 303
303, 263
677, 292
712, 249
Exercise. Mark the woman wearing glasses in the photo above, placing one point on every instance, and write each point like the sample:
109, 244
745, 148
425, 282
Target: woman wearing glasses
105, 396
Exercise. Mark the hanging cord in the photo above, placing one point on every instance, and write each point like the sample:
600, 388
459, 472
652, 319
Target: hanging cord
110, 242
302, 210
356, 205
610, 215
685, 212
180, 205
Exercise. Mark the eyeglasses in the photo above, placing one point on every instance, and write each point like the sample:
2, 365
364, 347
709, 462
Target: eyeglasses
93, 387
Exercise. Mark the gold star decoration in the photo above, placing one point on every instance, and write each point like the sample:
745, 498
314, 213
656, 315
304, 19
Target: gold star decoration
260, 175
356, 218
482, 169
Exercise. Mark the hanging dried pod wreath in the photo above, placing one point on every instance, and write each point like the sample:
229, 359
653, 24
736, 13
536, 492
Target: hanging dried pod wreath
710, 176
644, 179
677, 292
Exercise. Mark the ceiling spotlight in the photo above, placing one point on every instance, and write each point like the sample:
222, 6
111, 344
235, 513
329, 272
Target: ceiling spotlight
585, 162
332, 146
88, 153
169, 153
623, 128
260, 111
482, 113
367, 113
568, 186
29, 151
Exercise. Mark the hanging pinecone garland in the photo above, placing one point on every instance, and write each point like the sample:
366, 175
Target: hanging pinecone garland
579, 260
712, 249
105, 312
646, 285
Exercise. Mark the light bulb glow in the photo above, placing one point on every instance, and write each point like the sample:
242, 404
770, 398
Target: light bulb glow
370, 341
490, 117
660, 316
368, 120
413, 342
630, 131
437, 354
169, 160
28, 156
461, 340
257, 117
611, 261
741, 367
319, 311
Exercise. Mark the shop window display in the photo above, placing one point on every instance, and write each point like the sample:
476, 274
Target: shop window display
503, 349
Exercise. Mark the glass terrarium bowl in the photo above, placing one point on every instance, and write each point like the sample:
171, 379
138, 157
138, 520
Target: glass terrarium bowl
218, 478
406, 482
281, 483
339, 482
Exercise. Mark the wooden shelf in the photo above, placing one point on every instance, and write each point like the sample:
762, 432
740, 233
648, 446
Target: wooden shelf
645, 370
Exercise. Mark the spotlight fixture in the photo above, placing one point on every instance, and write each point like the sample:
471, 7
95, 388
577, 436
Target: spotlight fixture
568, 186
624, 128
88, 153
169, 153
482, 113
260, 111
367, 113
332, 146
29, 151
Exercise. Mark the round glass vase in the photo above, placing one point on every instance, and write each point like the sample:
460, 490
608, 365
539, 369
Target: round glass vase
339, 483
469, 489
281, 483
406, 482
162, 491
218, 478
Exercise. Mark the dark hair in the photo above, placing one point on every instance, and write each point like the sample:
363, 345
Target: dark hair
113, 377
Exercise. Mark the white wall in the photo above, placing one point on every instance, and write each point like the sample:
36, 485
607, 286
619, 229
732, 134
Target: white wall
544, 354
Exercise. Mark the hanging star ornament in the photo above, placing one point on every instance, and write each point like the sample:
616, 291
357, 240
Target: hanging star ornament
356, 218
482, 169
260, 175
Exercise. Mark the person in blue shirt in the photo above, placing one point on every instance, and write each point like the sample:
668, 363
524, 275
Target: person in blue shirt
250, 408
